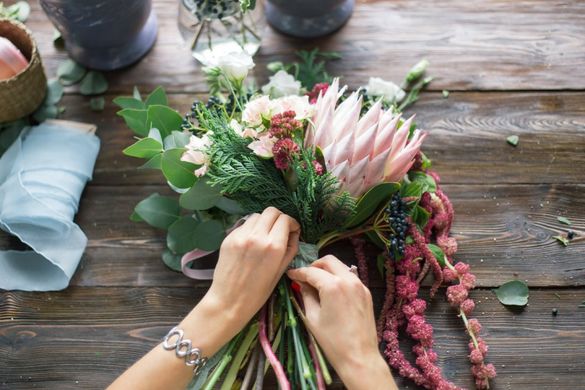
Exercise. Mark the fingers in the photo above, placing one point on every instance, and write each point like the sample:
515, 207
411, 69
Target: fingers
285, 234
267, 220
334, 265
315, 277
311, 302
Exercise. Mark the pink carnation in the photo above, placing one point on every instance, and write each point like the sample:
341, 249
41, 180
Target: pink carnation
456, 294
467, 306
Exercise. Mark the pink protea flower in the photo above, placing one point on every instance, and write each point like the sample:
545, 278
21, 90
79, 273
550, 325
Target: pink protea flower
361, 152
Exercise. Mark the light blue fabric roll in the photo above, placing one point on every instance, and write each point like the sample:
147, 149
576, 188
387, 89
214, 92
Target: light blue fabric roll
42, 176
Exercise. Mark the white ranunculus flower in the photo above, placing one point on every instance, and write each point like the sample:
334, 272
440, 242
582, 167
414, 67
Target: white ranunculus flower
282, 84
387, 89
299, 104
234, 65
255, 109
196, 153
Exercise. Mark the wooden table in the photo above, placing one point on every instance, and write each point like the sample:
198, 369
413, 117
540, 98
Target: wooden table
512, 67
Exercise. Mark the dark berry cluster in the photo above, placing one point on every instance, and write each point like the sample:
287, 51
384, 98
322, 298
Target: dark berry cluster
212, 9
396, 214
191, 116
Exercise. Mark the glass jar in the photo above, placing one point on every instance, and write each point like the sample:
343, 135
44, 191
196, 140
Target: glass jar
220, 26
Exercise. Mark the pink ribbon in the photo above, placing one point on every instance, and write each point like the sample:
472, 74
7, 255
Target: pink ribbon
196, 254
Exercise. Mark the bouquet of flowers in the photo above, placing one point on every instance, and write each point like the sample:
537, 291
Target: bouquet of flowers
345, 165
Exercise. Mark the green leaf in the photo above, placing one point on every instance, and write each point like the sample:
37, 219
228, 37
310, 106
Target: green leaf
134, 217
305, 256
230, 206
562, 240
180, 237
429, 184
54, 92
513, 140
154, 163
375, 239
164, 118
97, 103
93, 83
209, 235
158, 96
413, 189
177, 139
513, 293
417, 71
201, 196
564, 220
371, 201
438, 253
144, 148
178, 173
155, 134
172, 260
158, 211
136, 94
70, 72
129, 102
135, 120
445, 94
420, 216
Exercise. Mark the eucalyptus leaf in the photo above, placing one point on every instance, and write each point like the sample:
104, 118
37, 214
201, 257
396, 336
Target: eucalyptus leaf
562, 240
155, 134
209, 235
230, 206
202, 196
181, 234
306, 255
158, 96
172, 260
178, 173
158, 211
136, 94
164, 118
177, 139
564, 220
513, 293
371, 201
135, 120
93, 83
134, 217
129, 102
97, 103
54, 92
154, 163
513, 140
70, 72
144, 148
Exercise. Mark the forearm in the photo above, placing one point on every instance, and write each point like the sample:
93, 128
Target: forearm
207, 326
367, 373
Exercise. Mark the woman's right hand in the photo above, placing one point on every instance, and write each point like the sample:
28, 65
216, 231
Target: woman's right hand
339, 313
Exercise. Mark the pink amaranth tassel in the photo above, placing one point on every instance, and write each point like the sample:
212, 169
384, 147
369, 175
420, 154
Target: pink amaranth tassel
360, 255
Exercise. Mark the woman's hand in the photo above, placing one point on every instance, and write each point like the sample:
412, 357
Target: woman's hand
251, 261
340, 314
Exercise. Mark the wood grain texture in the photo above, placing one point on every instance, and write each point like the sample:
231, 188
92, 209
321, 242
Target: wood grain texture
467, 140
488, 45
504, 232
83, 338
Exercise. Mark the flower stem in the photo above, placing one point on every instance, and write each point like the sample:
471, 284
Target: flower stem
267, 348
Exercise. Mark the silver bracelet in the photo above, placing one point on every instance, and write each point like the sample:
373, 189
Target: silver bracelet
183, 349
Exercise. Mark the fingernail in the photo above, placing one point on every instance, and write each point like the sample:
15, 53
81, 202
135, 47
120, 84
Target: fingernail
295, 286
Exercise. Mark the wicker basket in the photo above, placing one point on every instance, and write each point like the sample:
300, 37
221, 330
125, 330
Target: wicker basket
23, 93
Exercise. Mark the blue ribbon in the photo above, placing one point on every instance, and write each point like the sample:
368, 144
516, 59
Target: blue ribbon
42, 176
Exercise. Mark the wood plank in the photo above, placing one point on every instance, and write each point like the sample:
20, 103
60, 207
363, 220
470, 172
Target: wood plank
467, 140
504, 232
85, 337
492, 45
